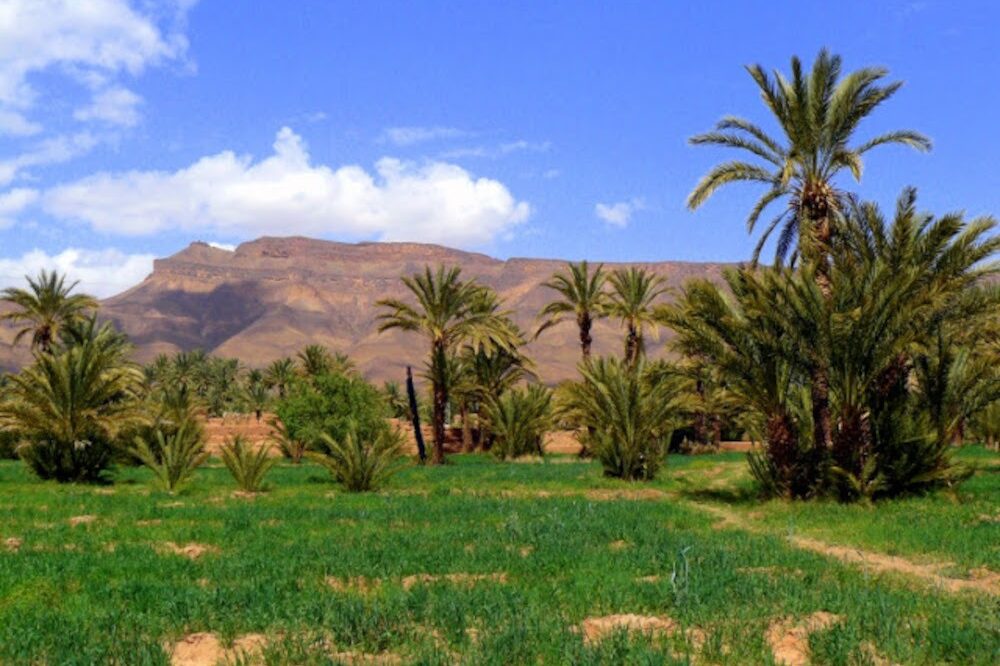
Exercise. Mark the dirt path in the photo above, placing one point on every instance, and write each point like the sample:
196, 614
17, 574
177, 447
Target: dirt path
983, 580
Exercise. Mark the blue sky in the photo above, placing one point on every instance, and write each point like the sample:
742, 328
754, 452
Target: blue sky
130, 129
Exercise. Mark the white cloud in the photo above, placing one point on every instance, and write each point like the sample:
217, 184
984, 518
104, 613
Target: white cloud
620, 213
406, 136
13, 202
501, 150
284, 194
115, 106
53, 150
228, 247
101, 273
90, 41
15, 124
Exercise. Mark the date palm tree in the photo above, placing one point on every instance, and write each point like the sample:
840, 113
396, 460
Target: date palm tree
819, 113
45, 308
581, 294
279, 374
314, 360
74, 403
449, 312
633, 294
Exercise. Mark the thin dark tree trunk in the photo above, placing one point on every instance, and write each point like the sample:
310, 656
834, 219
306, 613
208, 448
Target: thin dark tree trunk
822, 419
585, 323
415, 415
632, 342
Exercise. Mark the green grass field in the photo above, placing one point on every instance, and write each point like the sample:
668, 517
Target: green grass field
534, 550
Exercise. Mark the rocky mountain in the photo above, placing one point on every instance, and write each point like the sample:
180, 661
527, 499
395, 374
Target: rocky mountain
272, 296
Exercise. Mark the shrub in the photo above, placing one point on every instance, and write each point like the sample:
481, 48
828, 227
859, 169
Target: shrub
331, 405
361, 463
629, 415
71, 407
291, 448
519, 420
247, 464
175, 458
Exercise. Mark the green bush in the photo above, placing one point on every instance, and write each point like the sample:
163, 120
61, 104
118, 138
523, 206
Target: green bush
629, 415
332, 405
73, 405
173, 459
247, 464
519, 420
361, 463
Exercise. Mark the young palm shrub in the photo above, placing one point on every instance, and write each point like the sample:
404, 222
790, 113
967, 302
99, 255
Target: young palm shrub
358, 463
247, 464
290, 447
72, 406
629, 415
173, 459
518, 420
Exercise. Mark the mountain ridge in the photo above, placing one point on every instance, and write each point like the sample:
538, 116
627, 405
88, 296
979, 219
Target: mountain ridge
271, 296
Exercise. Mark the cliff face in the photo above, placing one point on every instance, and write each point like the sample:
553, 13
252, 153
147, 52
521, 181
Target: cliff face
273, 296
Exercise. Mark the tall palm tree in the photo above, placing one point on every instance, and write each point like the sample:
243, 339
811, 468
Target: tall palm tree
449, 312
279, 374
45, 308
818, 113
580, 294
633, 294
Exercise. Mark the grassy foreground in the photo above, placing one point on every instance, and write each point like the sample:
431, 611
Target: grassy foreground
481, 562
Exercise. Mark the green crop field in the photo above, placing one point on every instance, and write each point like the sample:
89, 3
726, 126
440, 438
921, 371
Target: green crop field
484, 562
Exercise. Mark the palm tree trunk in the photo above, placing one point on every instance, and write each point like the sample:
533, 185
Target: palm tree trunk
822, 419
467, 443
585, 323
440, 390
782, 448
632, 343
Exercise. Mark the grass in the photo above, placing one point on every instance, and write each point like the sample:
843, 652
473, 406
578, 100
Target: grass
568, 549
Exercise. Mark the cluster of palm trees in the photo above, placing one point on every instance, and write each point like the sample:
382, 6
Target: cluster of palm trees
857, 359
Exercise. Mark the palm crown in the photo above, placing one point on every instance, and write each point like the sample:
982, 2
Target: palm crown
45, 308
818, 113
633, 294
581, 294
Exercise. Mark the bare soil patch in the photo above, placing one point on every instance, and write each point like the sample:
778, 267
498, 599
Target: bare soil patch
205, 649
13, 544
81, 520
789, 637
192, 551
982, 580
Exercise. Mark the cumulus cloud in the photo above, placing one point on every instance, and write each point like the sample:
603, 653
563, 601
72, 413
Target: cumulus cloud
89, 42
54, 150
235, 197
115, 106
618, 214
406, 136
13, 202
101, 273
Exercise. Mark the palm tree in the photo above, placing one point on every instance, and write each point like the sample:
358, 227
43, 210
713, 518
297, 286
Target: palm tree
315, 360
45, 308
449, 312
72, 406
633, 294
818, 113
580, 294
279, 374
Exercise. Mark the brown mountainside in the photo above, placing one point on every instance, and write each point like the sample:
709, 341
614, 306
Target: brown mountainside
273, 296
